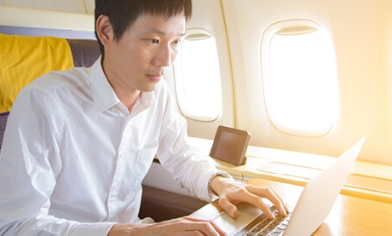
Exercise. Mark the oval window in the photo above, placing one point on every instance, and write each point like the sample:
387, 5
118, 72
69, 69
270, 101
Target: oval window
299, 77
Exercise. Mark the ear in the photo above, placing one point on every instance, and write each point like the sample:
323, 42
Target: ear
104, 29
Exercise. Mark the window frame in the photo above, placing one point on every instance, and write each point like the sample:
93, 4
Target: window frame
289, 27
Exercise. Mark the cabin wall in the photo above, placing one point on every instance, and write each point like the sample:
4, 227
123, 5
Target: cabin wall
208, 15
386, 49
74, 6
363, 36
357, 38
359, 35
361, 31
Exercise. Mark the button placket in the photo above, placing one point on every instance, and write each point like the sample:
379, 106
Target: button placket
120, 172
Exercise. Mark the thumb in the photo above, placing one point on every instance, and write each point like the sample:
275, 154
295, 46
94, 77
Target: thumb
228, 206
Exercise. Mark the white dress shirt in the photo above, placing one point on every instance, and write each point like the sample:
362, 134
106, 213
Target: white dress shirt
73, 157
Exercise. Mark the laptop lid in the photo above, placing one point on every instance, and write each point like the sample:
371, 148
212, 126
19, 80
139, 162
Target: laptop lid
320, 193
313, 206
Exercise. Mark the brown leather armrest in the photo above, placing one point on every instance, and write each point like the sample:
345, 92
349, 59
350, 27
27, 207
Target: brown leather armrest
163, 205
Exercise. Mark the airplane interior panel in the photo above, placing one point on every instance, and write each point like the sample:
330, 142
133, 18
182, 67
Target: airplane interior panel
359, 33
306, 79
359, 97
361, 76
208, 15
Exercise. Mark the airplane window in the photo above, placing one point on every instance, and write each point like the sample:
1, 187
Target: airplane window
299, 78
197, 77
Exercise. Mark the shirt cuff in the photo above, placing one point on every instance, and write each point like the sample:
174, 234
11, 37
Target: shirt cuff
219, 173
98, 229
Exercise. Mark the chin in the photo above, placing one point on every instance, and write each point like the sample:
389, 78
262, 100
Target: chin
148, 88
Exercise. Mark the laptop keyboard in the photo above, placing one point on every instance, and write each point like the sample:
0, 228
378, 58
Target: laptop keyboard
269, 227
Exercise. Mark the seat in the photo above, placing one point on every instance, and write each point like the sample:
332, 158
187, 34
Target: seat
3, 122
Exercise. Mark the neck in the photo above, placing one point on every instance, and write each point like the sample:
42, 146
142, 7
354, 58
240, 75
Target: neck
127, 94
128, 99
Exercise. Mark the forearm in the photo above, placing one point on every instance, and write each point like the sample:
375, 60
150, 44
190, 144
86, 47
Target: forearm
179, 226
49, 225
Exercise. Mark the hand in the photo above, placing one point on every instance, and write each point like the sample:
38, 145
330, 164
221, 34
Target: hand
231, 192
180, 226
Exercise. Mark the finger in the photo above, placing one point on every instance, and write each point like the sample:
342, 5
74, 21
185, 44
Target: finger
188, 233
243, 195
207, 227
272, 195
228, 206
218, 229
285, 206
257, 201
280, 204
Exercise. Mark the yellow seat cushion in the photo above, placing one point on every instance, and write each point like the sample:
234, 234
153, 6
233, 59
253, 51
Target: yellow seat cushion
24, 58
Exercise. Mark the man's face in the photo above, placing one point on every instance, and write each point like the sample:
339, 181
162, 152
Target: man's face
138, 60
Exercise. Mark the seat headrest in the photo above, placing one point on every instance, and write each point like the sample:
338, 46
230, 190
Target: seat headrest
25, 58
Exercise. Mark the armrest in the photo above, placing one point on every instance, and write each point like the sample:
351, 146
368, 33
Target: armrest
163, 205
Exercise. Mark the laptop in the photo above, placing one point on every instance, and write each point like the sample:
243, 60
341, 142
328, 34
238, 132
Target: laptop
313, 206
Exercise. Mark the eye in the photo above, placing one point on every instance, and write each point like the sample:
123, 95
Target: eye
155, 41
177, 42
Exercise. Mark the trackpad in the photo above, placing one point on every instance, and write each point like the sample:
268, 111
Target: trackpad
246, 214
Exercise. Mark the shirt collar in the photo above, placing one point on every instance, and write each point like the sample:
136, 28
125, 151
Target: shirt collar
104, 95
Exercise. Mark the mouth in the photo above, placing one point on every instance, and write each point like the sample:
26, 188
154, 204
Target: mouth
155, 78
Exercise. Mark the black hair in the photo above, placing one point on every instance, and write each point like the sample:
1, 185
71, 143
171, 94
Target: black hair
122, 13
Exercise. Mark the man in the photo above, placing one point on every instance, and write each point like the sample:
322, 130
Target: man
79, 143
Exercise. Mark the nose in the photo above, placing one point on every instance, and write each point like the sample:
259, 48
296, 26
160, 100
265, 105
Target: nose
164, 56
